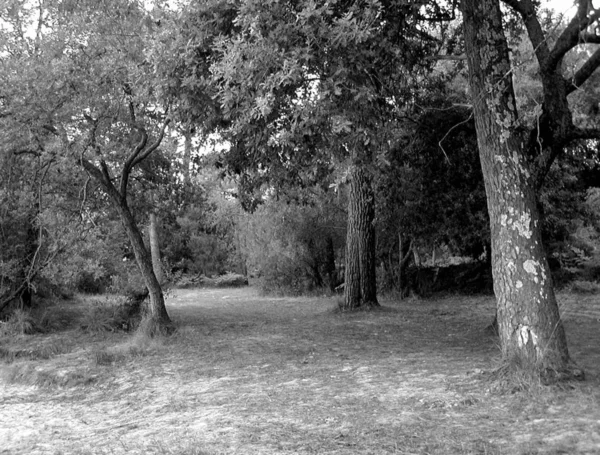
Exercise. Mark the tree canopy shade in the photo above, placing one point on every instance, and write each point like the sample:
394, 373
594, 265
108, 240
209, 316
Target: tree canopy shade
313, 86
515, 162
83, 91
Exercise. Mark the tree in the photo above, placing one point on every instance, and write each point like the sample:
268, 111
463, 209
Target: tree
514, 164
84, 90
311, 86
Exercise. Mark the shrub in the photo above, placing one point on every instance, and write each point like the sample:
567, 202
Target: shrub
20, 322
107, 316
231, 280
283, 276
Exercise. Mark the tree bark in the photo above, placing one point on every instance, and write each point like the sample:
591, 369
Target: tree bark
187, 156
530, 328
155, 248
360, 290
404, 253
157, 309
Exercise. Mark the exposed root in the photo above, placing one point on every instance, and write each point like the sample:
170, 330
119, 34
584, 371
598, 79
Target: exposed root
151, 328
513, 376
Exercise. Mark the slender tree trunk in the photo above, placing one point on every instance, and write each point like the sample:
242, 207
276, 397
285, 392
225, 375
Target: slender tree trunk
155, 248
404, 253
529, 325
157, 310
361, 283
400, 255
329, 264
187, 156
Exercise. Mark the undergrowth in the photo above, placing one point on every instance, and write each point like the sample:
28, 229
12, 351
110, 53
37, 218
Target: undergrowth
109, 315
30, 374
513, 376
139, 345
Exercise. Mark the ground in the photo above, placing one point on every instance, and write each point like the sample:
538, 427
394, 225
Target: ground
247, 374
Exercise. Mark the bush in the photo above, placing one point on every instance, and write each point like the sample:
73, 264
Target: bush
108, 316
88, 283
20, 322
283, 276
231, 280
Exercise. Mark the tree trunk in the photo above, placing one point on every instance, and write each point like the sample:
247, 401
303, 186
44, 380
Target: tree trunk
404, 253
155, 248
530, 329
157, 310
329, 264
187, 156
360, 290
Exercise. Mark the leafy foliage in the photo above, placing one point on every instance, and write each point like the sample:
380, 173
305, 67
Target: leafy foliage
295, 248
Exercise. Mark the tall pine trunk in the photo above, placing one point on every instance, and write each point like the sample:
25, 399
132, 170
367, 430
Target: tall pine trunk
530, 328
361, 282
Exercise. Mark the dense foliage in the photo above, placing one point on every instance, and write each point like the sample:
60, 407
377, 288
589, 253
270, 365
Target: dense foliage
239, 126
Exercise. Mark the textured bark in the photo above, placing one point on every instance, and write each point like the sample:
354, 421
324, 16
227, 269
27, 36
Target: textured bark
404, 254
360, 290
529, 325
155, 248
157, 310
187, 157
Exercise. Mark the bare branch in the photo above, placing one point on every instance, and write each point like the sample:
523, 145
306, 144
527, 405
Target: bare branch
585, 133
446, 57
527, 11
589, 38
84, 190
132, 160
102, 176
155, 145
570, 37
584, 72
36, 153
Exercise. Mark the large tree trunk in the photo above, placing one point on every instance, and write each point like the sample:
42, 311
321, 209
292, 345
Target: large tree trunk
530, 329
361, 283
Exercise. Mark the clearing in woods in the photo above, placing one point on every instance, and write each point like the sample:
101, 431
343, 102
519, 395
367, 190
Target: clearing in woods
247, 374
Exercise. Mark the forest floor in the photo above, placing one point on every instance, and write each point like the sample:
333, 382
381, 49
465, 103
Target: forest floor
247, 374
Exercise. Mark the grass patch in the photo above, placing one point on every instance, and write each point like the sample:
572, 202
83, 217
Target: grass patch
29, 374
20, 322
246, 373
138, 345
585, 287
39, 352
107, 315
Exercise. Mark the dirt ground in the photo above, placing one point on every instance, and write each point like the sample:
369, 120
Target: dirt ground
247, 374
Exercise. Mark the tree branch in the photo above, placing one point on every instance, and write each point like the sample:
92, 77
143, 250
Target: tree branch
446, 57
570, 37
527, 11
102, 176
584, 72
585, 133
589, 38
154, 146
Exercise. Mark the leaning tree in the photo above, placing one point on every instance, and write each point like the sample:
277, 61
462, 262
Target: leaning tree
83, 90
515, 159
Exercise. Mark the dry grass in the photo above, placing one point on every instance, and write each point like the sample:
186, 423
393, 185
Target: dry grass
245, 374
